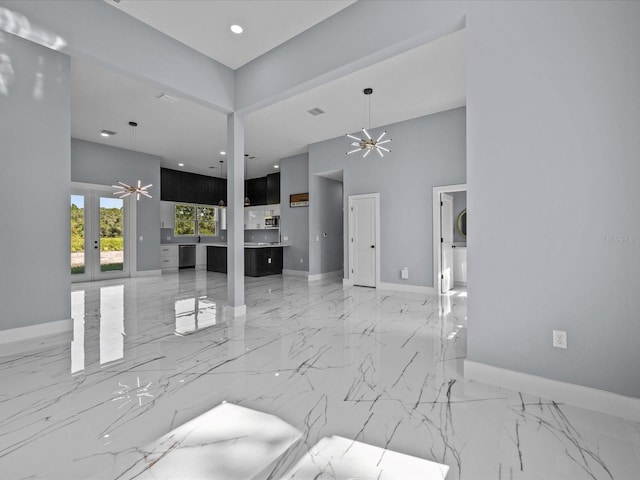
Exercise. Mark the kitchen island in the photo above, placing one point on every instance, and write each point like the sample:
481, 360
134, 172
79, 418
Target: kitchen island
260, 259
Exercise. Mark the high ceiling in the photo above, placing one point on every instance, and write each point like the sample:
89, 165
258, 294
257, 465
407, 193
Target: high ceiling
204, 24
426, 80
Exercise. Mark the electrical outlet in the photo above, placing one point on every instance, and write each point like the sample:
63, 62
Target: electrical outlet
404, 273
301, 260
560, 339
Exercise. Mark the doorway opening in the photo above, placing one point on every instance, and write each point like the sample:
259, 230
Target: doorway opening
99, 234
450, 238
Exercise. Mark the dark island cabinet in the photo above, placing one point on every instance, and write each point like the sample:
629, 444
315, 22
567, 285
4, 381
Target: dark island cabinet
217, 259
259, 262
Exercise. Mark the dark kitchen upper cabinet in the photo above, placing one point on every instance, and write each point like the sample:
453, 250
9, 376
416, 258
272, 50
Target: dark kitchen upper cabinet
257, 191
264, 190
273, 188
177, 186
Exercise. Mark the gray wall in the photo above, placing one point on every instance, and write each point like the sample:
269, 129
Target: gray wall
459, 204
425, 152
34, 152
104, 165
137, 50
326, 236
553, 120
294, 178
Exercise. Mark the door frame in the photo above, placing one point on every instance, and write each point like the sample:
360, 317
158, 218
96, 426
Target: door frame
129, 224
350, 227
437, 234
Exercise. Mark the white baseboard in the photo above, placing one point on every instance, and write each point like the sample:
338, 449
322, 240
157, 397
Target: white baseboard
146, 273
34, 331
296, 273
323, 276
347, 282
400, 287
233, 312
585, 397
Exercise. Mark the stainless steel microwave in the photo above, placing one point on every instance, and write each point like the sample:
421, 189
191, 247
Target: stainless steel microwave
273, 221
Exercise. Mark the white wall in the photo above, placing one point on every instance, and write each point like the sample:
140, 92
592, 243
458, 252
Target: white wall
553, 110
34, 154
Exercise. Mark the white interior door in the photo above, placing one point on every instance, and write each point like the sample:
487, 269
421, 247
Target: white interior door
98, 236
362, 228
446, 233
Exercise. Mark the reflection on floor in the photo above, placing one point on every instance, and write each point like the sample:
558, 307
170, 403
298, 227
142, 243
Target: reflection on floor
149, 355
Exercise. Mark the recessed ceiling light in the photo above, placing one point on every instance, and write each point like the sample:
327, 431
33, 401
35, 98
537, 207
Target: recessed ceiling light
276, 166
181, 164
107, 133
237, 29
223, 153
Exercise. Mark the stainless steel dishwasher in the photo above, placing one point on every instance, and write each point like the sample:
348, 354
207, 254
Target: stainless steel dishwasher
186, 256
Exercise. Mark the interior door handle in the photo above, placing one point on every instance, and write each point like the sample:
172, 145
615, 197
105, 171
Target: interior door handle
373, 246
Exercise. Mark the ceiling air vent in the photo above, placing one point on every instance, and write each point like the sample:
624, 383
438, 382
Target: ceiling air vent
163, 97
315, 111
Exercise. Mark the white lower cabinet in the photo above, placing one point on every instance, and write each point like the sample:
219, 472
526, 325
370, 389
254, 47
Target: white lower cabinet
168, 257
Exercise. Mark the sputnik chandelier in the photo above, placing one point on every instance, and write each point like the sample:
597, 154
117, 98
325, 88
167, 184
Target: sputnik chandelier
367, 145
125, 190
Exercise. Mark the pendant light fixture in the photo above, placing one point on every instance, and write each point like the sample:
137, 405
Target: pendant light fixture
221, 202
368, 144
247, 202
124, 190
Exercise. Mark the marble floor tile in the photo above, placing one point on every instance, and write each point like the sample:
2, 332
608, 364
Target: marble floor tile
149, 355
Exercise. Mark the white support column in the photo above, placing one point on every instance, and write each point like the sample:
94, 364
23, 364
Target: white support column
235, 215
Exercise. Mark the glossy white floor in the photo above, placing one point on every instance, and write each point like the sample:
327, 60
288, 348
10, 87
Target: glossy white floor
138, 393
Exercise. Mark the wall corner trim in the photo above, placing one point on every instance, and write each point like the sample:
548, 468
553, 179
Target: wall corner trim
34, 331
577, 395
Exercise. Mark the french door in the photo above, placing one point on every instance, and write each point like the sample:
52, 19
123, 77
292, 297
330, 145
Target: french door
98, 235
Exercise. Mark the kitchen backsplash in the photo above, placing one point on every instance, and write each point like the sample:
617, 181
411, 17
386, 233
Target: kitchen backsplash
166, 236
262, 235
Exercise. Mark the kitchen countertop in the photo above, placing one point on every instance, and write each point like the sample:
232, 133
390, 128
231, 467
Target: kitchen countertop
224, 244
249, 245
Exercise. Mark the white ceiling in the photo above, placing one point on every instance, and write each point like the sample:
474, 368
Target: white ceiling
425, 80
204, 24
